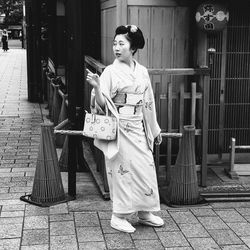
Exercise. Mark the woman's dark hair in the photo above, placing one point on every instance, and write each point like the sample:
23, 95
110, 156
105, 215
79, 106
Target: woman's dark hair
133, 34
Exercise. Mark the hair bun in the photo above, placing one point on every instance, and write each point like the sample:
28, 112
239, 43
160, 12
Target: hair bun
134, 33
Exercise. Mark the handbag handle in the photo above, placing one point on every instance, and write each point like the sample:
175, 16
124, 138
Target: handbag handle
93, 115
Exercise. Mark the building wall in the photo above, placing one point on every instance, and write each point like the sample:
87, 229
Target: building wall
229, 107
165, 25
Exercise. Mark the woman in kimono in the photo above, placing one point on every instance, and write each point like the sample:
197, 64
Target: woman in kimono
125, 89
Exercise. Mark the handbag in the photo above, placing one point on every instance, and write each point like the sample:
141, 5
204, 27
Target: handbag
102, 127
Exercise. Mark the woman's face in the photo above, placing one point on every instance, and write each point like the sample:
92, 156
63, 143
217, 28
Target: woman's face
122, 49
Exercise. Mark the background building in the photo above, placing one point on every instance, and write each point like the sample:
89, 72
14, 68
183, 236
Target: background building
74, 29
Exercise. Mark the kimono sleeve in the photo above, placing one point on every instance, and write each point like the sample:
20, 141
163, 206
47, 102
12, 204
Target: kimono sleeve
106, 89
106, 82
149, 109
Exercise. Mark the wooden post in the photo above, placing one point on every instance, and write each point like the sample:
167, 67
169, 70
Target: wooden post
222, 93
158, 112
193, 103
74, 62
202, 46
33, 50
205, 114
232, 154
169, 140
231, 171
79, 15
122, 9
51, 32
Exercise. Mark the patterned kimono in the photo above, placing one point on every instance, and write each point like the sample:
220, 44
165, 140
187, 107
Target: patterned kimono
129, 161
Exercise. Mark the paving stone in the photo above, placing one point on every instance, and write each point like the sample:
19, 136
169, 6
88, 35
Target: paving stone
225, 237
10, 231
169, 225
178, 248
87, 219
63, 242
148, 244
193, 230
244, 211
35, 237
26, 164
30, 183
12, 184
30, 173
20, 189
203, 243
33, 156
61, 217
203, 212
230, 204
212, 223
105, 215
144, 233
247, 218
10, 196
19, 207
246, 240
7, 162
36, 222
92, 246
89, 234
27, 169
14, 220
106, 228
17, 158
235, 247
59, 209
177, 209
230, 216
35, 210
4, 179
89, 205
240, 228
183, 217
11, 214
172, 239
5, 170
35, 247
119, 241
64, 247
62, 228
10, 244
162, 213
4, 190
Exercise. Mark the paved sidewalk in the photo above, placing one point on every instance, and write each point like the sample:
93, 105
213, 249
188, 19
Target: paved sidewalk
84, 223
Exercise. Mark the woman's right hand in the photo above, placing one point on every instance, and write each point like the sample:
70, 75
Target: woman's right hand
93, 79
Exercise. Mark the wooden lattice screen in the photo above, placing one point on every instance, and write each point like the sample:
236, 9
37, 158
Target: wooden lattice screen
229, 104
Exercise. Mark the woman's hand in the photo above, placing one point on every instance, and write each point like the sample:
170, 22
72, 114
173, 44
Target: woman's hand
93, 79
158, 139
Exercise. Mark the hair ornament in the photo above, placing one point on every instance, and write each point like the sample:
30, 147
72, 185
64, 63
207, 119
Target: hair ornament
133, 28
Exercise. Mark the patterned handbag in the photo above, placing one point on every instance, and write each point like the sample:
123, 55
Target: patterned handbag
101, 127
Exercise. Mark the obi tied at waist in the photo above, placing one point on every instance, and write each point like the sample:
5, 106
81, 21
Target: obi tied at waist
128, 103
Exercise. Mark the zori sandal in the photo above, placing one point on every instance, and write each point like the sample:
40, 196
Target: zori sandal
151, 220
121, 224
